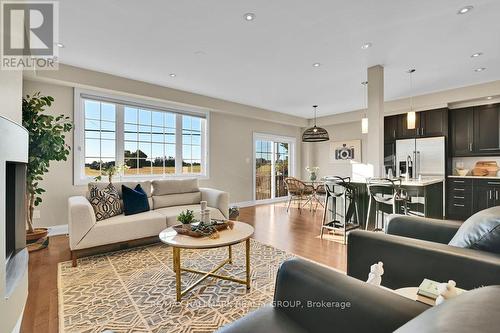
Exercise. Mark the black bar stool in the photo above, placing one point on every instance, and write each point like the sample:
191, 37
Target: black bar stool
340, 188
385, 192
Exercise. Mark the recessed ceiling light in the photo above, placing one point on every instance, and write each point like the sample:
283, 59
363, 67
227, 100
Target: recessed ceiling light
465, 10
316, 64
475, 55
489, 97
249, 16
480, 69
60, 45
366, 46
173, 75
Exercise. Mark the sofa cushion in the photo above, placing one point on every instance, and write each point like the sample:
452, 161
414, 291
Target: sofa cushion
105, 202
171, 213
474, 311
146, 186
160, 201
122, 228
174, 186
481, 231
134, 200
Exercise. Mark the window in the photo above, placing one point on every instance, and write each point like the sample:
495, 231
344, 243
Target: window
151, 140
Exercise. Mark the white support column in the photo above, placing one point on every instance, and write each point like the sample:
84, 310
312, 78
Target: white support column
375, 137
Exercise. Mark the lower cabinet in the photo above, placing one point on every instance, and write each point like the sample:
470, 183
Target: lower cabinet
468, 196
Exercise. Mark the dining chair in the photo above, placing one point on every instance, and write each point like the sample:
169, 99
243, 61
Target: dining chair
298, 191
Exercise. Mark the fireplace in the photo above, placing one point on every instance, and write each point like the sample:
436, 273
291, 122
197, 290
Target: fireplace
14, 263
15, 211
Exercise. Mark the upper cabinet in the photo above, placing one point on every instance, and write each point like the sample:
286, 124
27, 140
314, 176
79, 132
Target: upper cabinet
487, 129
433, 123
461, 134
475, 131
427, 124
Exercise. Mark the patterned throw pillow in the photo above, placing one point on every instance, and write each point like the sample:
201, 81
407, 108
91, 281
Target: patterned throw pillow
106, 202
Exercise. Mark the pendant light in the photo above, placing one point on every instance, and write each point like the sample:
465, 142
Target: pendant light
315, 133
411, 117
364, 120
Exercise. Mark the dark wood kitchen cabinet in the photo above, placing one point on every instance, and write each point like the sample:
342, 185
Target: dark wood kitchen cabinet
432, 123
486, 194
462, 130
475, 131
487, 129
427, 124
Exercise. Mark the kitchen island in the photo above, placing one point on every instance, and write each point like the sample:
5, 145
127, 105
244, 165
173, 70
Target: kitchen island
425, 198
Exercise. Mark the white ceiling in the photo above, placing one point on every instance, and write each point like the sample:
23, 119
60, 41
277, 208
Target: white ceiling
268, 62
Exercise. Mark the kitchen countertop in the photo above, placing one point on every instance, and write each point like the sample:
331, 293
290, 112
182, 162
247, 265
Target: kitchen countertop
425, 181
476, 177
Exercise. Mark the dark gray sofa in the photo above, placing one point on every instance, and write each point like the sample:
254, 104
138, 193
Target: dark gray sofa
416, 248
300, 282
302, 288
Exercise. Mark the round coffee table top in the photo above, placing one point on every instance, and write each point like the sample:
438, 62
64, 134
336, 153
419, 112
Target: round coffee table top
240, 232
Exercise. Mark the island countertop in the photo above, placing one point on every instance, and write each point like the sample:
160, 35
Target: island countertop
425, 181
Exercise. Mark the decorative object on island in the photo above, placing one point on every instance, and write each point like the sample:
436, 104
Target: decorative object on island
342, 152
110, 170
202, 229
312, 172
234, 212
375, 275
46, 144
315, 133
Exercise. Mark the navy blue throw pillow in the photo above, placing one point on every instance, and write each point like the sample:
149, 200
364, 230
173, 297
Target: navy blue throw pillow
134, 200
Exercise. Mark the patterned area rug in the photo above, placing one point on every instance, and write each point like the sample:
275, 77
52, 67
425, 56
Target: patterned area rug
134, 290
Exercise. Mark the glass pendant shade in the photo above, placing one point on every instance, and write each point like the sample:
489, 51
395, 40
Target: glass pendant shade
315, 133
410, 120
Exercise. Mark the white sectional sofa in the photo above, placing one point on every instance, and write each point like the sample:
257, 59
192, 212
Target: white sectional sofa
167, 198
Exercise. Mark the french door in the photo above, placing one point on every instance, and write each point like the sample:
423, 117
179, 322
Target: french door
273, 162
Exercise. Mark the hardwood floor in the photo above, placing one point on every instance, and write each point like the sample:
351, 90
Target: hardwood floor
293, 232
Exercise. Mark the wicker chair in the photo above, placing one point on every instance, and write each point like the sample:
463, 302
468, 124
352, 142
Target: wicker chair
298, 190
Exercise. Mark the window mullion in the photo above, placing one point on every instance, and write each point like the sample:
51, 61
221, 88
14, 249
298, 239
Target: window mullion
178, 144
120, 135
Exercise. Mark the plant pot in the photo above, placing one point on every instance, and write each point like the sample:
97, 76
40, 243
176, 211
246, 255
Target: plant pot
36, 234
37, 240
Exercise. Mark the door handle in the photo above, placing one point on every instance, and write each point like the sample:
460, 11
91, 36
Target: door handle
422, 131
470, 146
394, 134
455, 197
458, 205
489, 194
459, 181
494, 183
496, 194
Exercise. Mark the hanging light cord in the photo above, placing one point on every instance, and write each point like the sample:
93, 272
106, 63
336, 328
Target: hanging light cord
411, 71
315, 106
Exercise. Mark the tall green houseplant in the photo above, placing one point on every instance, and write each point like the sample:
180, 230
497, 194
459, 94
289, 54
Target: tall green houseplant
46, 144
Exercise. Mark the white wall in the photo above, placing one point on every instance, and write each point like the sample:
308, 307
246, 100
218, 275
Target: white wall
230, 157
11, 83
321, 151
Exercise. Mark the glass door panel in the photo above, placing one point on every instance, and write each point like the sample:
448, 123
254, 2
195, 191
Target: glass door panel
280, 169
263, 169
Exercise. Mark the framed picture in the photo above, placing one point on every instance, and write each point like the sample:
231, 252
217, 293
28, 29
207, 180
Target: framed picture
345, 151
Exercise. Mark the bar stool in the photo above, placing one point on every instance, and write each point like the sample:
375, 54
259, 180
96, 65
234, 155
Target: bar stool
340, 188
386, 192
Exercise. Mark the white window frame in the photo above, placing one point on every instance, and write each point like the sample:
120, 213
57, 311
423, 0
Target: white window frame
79, 177
292, 143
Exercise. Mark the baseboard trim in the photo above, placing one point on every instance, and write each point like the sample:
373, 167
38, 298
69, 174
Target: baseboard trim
251, 203
56, 230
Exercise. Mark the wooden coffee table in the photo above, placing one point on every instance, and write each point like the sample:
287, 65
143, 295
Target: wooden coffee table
241, 232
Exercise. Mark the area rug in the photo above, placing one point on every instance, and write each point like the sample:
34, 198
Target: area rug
134, 290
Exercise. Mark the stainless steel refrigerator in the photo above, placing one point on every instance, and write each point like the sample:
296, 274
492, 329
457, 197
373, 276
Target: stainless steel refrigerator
426, 156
